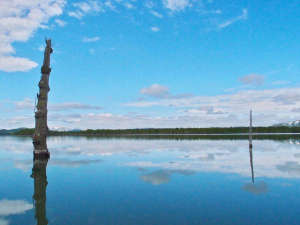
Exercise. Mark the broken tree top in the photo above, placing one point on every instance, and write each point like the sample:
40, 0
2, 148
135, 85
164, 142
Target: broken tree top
46, 64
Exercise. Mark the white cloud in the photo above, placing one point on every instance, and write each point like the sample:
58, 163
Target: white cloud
83, 8
281, 82
149, 4
27, 103
271, 106
209, 110
157, 14
13, 64
160, 91
227, 23
92, 51
109, 5
86, 7
18, 21
76, 14
155, 90
91, 39
176, 5
72, 106
252, 79
60, 23
155, 29
128, 5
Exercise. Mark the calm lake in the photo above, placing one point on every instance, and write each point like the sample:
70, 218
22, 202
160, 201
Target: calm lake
139, 181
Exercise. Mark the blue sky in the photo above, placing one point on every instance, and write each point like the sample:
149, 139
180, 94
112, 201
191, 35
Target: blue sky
163, 63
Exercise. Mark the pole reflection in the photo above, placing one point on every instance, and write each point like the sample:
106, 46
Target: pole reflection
251, 160
39, 174
251, 147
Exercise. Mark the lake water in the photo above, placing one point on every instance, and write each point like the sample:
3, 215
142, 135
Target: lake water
128, 181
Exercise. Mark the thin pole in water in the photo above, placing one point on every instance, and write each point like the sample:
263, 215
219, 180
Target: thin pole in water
250, 147
250, 130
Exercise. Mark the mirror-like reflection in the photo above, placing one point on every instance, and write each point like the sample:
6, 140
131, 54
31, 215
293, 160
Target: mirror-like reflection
133, 182
39, 174
251, 147
251, 157
258, 187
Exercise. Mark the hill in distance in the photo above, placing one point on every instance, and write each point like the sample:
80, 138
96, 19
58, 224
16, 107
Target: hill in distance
11, 131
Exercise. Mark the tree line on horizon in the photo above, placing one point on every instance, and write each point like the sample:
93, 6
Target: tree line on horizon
165, 131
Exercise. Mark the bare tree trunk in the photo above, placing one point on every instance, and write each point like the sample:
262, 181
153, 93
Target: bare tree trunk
250, 130
41, 127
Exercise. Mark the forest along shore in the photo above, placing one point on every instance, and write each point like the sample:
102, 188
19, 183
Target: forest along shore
177, 133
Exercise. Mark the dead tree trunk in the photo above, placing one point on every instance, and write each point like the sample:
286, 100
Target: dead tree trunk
41, 127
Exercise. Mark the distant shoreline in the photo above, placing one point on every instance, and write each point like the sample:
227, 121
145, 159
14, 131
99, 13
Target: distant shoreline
229, 134
233, 133
166, 134
168, 131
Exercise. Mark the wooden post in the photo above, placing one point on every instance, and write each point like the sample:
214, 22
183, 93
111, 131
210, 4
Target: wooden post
41, 127
250, 130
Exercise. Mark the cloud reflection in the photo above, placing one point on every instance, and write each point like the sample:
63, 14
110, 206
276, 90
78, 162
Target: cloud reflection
12, 207
273, 159
26, 165
4, 222
290, 167
156, 177
162, 176
259, 187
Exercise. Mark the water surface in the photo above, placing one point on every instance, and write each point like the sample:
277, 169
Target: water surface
128, 181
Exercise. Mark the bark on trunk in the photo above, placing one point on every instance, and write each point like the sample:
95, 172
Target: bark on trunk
41, 127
